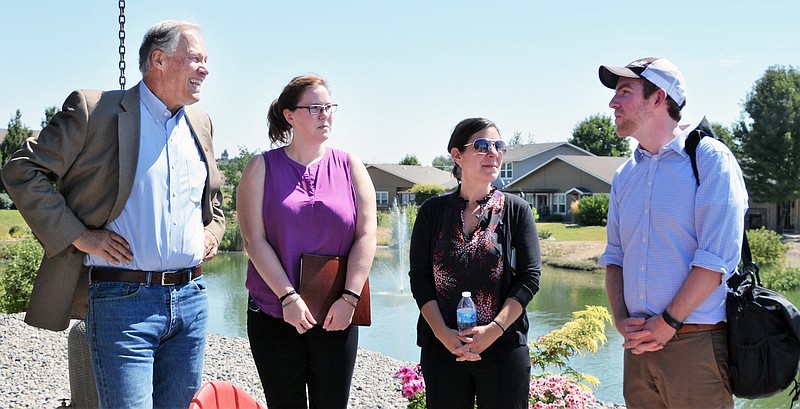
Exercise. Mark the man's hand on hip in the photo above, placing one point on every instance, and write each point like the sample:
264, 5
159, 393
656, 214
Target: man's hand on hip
108, 245
212, 245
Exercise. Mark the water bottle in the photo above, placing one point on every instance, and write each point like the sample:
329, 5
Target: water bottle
465, 314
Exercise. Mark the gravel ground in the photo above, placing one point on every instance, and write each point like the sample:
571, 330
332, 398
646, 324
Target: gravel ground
34, 373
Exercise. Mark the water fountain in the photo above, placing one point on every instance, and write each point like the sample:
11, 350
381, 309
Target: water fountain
389, 273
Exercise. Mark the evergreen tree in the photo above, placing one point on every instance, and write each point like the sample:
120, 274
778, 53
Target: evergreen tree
17, 133
49, 113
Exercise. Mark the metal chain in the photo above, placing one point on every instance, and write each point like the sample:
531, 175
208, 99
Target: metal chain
122, 44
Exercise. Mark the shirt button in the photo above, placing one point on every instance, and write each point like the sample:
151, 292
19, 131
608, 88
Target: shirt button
644, 239
641, 268
646, 211
641, 297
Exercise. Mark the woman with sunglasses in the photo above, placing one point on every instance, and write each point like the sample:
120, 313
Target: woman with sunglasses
304, 197
481, 240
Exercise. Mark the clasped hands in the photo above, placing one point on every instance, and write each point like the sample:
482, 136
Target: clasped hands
645, 334
469, 344
299, 316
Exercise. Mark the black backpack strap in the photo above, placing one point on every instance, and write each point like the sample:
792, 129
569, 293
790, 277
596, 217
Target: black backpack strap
702, 130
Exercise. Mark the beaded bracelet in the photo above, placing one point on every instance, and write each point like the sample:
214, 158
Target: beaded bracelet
498, 324
286, 295
348, 292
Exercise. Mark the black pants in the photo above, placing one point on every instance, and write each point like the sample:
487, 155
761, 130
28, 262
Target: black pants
499, 380
289, 362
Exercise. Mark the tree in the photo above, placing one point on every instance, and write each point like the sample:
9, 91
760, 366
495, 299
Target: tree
443, 162
410, 159
49, 113
725, 135
17, 133
769, 135
516, 138
232, 169
598, 135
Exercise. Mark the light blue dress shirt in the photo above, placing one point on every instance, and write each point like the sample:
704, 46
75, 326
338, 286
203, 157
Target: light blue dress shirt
162, 219
660, 224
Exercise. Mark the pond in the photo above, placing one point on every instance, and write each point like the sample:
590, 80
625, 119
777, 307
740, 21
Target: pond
394, 315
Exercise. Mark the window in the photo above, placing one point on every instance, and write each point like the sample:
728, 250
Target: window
382, 198
507, 170
560, 203
529, 199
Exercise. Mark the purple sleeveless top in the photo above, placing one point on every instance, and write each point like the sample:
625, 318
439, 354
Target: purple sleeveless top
306, 210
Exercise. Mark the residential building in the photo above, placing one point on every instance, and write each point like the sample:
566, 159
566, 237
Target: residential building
392, 182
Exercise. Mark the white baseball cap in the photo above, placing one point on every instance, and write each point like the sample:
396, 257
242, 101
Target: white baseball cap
659, 71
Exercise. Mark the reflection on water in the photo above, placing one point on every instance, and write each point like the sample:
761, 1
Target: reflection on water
394, 315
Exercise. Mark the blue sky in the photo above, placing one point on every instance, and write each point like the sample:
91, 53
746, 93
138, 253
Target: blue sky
404, 72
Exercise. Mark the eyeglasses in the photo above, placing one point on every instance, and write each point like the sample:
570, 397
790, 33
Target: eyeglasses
483, 145
317, 109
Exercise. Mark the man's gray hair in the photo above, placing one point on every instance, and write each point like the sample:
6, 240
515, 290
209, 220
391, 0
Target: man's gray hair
163, 36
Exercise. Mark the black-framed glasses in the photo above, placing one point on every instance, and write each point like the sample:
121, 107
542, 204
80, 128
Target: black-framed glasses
483, 145
317, 109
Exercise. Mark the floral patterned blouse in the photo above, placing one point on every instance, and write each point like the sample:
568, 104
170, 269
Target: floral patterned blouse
471, 262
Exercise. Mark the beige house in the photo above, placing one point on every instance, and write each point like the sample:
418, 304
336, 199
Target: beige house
392, 182
555, 184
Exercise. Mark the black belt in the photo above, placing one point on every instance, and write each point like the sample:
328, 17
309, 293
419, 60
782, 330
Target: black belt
145, 277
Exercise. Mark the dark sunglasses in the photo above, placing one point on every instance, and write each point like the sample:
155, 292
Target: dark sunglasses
483, 145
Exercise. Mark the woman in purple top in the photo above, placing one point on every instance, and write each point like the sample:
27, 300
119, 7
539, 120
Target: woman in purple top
304, 197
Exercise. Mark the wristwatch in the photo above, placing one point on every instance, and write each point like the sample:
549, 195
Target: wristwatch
671, 321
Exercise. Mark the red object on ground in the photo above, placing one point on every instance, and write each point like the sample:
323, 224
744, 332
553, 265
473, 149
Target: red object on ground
223, 395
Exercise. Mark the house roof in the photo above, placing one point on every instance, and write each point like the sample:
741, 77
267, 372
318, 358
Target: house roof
517, 153
601, 167
418, 174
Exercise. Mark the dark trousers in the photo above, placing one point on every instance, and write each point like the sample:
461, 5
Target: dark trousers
499, 380
289, 362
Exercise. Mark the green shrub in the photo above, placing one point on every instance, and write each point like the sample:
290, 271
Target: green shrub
766, 247
19, 232
20, 261
424, 191
778, 279
593, 210
545, 234
535, 214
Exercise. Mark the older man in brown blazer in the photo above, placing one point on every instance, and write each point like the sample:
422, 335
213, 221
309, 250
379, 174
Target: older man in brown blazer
135, 210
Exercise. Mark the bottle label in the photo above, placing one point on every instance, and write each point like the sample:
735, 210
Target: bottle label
466, 316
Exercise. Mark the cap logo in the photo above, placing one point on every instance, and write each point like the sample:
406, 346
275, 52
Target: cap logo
640, 63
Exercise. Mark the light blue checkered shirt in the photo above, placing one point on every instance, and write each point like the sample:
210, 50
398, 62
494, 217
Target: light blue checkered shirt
660, 224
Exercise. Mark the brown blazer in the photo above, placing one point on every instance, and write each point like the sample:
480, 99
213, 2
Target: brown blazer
90, 149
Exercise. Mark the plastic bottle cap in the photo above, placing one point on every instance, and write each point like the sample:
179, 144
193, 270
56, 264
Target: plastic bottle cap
466, 294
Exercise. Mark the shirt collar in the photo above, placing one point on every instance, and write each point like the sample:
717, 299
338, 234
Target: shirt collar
157, 109
677, 144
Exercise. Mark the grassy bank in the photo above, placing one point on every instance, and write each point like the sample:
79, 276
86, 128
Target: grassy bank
12, 225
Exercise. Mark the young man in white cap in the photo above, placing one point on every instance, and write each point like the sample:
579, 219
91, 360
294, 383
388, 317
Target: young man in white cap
672, 244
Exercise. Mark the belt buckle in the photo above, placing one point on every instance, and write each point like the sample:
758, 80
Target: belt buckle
164, 276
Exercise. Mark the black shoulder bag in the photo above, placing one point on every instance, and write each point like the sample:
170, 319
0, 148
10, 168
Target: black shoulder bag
763, 326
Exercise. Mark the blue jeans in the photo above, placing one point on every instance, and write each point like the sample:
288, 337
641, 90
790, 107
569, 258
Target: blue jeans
147, 342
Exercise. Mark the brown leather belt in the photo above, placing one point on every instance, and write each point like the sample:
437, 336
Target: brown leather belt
687, 328
146, 277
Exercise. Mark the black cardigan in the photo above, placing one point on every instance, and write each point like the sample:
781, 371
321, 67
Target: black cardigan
518, 231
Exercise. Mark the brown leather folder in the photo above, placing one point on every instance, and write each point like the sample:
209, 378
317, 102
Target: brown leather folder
322, 280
